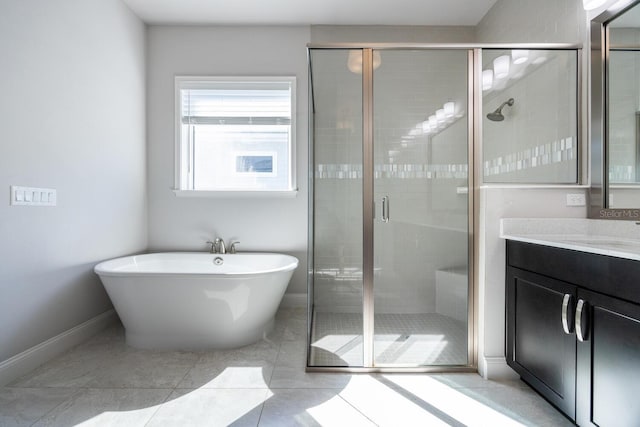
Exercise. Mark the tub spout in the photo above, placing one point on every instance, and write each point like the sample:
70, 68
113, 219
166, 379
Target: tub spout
220, 247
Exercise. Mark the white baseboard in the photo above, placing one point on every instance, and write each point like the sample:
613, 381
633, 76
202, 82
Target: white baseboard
495, 368
28, 360
294, 300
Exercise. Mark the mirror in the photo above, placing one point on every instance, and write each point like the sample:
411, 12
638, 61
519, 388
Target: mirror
615, 112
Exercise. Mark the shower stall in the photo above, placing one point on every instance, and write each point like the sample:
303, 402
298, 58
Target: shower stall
390, 235
395, 134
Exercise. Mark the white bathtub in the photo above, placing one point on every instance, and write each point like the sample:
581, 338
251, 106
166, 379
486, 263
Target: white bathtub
184, 300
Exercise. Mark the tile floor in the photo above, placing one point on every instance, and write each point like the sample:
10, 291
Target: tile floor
411, 339
103, 382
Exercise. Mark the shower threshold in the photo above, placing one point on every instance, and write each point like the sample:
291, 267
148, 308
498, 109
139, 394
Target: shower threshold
435, 341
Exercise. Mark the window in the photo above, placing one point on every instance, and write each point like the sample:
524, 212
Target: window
235, 134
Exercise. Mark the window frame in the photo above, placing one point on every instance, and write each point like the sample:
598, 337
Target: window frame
181, 154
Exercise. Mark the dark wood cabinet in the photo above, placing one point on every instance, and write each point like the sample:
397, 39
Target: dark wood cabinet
608, 380
538, 348
574, 338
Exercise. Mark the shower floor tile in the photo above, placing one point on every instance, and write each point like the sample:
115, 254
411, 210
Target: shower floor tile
400, 339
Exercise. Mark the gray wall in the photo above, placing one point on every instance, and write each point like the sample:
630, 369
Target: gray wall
260, 224
72, 117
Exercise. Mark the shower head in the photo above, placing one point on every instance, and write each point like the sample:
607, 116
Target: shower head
497, 116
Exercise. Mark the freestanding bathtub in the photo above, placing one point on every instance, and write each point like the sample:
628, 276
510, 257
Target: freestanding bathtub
190, 300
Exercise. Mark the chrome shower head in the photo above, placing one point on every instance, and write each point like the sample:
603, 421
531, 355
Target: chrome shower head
497, 116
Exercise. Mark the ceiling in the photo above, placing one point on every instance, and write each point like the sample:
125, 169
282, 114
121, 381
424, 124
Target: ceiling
318, 12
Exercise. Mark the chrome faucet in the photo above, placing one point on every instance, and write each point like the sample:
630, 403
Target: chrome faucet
233, 249
220, 247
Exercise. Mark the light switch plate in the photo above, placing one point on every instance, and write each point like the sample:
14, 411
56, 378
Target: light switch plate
576, 199
32, 196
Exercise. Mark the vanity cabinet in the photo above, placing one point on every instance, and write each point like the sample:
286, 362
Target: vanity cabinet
608, 380
537, 347
573, 331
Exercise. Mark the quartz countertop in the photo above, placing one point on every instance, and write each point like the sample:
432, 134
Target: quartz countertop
605, 237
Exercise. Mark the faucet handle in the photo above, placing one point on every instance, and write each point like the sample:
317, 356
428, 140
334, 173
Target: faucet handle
213, 246
233, 247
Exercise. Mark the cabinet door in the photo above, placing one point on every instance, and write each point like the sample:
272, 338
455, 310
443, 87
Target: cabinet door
538, 348
608, 380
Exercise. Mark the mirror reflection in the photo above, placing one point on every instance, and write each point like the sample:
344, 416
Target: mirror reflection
623, 97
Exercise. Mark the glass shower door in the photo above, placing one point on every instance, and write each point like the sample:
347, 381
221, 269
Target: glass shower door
421, 220
390, 240
336, 335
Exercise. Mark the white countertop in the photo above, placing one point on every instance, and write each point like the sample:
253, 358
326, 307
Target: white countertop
605, 237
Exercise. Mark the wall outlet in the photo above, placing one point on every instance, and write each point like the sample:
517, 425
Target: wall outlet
577, 199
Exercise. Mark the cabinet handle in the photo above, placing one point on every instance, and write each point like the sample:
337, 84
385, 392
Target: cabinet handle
567, 319
582, 325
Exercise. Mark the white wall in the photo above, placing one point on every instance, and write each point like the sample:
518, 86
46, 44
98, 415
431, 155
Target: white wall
522, 21
72, 118
260, 224
514, 21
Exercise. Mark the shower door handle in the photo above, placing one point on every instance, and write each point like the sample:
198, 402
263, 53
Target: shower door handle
385, 209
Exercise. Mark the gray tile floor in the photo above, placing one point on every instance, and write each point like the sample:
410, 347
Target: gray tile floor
103, 382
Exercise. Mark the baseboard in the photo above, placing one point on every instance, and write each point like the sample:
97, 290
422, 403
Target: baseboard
495, 368
294, 300
30, 359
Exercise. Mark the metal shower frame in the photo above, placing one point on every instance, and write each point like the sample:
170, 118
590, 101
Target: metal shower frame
474, 132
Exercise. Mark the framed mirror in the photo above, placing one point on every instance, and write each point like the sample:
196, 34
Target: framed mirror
615, 112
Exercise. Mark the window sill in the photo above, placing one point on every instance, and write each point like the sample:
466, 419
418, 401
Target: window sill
236, 194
